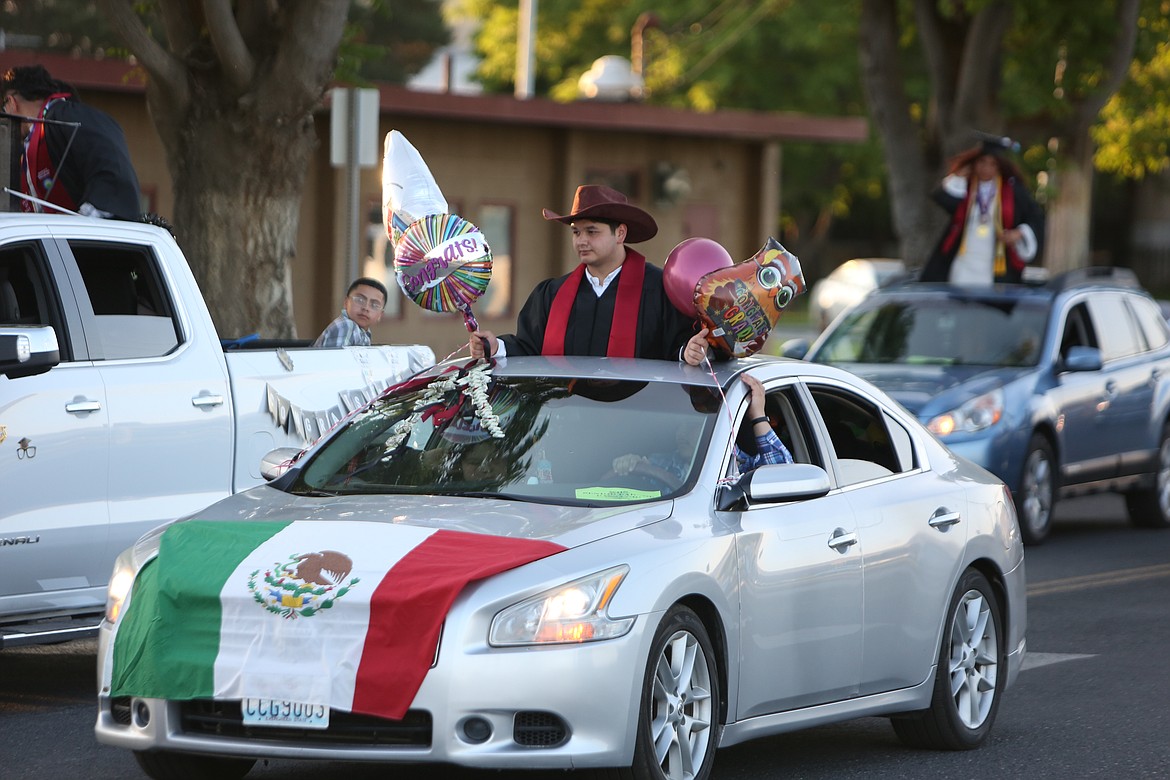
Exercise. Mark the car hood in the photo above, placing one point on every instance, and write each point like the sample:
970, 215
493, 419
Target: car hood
565, 525
929, 390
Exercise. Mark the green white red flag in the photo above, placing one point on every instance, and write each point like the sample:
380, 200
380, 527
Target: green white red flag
342, 614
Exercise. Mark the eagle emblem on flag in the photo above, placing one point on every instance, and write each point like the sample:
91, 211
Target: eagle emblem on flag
303, 585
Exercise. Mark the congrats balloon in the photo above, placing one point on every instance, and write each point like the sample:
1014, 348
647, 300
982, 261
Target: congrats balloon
443, 263
741, 304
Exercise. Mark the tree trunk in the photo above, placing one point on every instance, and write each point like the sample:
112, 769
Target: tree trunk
232, 94
1066, 245
916, 222
237, 204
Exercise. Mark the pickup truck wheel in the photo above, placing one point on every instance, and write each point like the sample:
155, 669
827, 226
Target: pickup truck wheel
1150, 508
166, 765
1037, 493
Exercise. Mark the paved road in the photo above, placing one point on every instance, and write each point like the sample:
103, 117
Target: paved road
1091, 702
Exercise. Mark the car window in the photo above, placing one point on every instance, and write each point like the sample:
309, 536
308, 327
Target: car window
865, 445
1153, 325
790, 422
132, 312
26, 294
583, 442
1077, 330
1115, 327
939, 330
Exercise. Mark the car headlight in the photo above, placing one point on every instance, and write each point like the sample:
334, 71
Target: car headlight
120, 583
980, 412
573, 612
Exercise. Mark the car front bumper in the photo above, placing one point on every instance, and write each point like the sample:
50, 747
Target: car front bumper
557, 707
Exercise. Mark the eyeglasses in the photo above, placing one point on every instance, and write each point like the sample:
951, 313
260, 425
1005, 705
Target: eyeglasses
362, 300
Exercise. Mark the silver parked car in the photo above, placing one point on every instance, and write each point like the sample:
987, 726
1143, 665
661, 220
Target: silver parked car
847, 285
556, 563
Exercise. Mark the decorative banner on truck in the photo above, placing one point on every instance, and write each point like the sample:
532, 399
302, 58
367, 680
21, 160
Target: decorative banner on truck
310, 424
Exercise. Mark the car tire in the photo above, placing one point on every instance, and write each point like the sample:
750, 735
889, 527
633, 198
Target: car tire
968, 683
1150, 507
678, 720
168, 765
1036, 497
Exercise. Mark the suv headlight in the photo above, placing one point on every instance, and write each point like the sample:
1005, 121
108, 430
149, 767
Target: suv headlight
980, 412
573, 612
120, 583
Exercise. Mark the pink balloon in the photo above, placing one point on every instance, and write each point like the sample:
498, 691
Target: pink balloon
686, 264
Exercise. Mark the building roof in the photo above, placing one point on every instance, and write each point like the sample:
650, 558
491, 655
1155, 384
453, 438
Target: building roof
121, 76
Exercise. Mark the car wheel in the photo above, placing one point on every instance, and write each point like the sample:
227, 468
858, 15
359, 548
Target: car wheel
967, 685
167, 765
678, 722
1037, 491
1150, 508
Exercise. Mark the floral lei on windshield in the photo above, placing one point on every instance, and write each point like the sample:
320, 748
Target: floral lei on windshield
474, 382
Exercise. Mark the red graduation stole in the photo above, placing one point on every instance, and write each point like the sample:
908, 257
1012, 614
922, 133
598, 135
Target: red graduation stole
39, 172
623, 330
1007, 217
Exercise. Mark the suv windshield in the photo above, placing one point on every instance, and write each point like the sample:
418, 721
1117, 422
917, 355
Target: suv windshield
936, 330
581, 441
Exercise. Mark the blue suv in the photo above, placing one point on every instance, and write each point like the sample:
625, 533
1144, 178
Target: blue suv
1059, 390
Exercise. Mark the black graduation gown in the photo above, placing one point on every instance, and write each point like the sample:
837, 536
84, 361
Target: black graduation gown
1027, 212
662, 329
97, 168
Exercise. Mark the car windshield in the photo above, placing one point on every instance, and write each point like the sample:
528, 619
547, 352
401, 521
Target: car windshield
948, 331
537, 439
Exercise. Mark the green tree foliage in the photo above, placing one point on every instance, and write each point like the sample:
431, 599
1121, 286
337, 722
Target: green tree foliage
773, 55
1133, 137
383, 41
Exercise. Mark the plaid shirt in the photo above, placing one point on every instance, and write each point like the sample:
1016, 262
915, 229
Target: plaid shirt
343, 332
770, 452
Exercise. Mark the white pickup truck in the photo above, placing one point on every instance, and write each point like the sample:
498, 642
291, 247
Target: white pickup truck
120, 407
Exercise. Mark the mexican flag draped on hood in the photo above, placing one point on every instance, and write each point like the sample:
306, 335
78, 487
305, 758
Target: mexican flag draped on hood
344, 614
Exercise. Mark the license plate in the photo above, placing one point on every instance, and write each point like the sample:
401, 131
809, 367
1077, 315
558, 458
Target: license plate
275, 712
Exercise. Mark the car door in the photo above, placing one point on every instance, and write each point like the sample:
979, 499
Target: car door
1129, 378
1075, 402
801, 599
54, 447
910, 534
168, 396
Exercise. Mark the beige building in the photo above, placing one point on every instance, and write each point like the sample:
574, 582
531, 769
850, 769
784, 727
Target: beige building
498, 161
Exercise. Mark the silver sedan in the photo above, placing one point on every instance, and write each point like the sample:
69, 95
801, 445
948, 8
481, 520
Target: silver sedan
574, 563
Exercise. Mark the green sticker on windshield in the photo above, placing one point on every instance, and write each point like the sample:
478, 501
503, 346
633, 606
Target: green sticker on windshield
616, 494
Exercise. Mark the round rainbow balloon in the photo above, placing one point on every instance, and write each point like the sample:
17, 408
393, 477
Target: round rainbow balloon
443, 263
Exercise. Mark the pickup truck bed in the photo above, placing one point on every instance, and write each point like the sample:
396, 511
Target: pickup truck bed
120, 407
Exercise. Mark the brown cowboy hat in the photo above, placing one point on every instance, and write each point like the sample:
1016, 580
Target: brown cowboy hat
596, 201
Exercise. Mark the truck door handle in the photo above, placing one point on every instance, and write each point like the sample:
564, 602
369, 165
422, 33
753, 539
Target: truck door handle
943, 519
841, 541
80, 405
207, 400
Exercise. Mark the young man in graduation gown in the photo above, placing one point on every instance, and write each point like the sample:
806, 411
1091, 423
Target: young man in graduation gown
611, 305
75, 156
996, 227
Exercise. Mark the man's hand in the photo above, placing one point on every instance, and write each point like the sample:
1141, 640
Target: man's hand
477, 340
756, 404
696, 349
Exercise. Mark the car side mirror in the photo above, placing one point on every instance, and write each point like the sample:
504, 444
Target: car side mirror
773, 484
1082, 359
277, 462
26, 351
